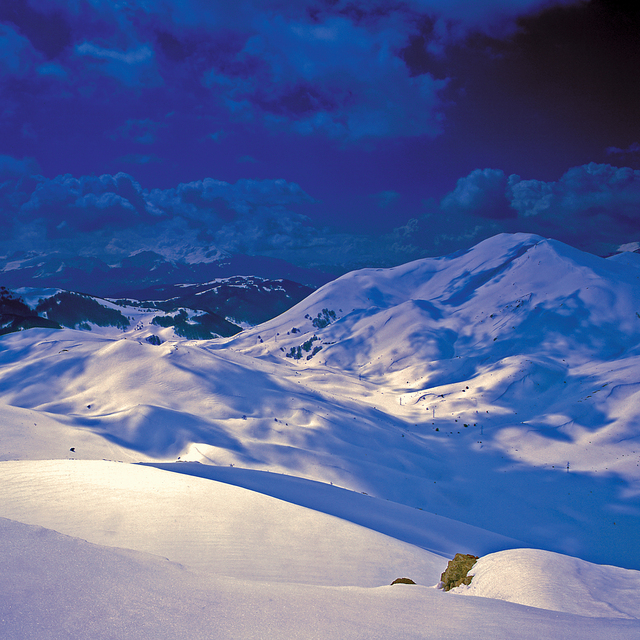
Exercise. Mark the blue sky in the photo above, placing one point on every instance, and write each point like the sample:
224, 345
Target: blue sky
330, 133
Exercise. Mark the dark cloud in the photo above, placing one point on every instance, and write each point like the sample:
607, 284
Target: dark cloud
48, 31
557, 91
334, 77
139, 159
424, 50
631, 149
629, 156
142, 131
456, 16
352, 71
346, 97
109, 216
12, 168
481, 193
339, 74
172, 47
385, 198
441, 231
67, 204
250, 216
17, 56
595, 207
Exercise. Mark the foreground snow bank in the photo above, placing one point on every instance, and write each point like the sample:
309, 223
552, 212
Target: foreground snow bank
55, 586
556, 582
206, 525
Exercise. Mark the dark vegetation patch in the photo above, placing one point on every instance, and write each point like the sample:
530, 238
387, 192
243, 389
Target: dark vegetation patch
200, 327
403, 581
456, 572
76, 311
15, 315
296, 352
323, 319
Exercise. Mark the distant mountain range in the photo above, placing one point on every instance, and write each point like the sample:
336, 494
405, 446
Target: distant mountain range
220, 308
93, 276
201, 300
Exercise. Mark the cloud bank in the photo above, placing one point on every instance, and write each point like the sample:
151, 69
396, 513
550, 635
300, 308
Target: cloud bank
114, 213
595, 207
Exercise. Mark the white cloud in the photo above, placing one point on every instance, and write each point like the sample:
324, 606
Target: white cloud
140, 55
134, 67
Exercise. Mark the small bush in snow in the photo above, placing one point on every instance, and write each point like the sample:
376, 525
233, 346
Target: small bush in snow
456, 572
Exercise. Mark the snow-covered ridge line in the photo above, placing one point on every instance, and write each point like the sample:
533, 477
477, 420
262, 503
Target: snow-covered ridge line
191, 311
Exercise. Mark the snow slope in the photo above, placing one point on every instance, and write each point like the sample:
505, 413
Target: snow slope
214, 527
63, 587
484, 402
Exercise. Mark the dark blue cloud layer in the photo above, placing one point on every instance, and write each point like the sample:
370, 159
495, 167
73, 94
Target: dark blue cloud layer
372, 106
595, 207
79, 202
335, 68
350, 70
114, 215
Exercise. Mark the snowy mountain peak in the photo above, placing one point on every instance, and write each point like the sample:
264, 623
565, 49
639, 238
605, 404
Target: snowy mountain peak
511, 294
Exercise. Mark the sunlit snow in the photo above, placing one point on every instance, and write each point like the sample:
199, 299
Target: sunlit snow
484, 402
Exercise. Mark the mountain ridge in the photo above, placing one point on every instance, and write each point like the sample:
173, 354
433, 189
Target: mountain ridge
100, 277
214, 309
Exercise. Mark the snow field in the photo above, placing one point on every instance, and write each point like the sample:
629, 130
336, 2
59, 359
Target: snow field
214, 527
245, 565
66, 588
484, 402
136, 401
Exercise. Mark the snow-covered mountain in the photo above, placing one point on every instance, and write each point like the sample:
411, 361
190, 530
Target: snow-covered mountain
478, 403
245, 300
522, 355
99, 277
210, 310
